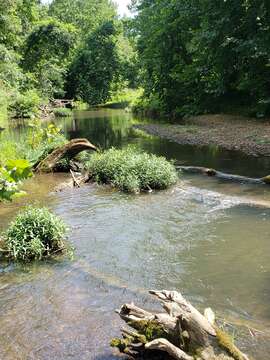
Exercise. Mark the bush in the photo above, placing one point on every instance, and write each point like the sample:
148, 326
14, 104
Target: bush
62, 112
131, 171
25, 105
34, 234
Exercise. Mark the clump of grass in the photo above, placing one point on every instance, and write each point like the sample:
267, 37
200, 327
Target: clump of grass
131, 171
35, 233
62, 111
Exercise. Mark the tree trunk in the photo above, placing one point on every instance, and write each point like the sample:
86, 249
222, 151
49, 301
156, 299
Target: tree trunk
67, 151
182, 333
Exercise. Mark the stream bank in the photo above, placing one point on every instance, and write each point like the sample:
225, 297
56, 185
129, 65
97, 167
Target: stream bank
250, 136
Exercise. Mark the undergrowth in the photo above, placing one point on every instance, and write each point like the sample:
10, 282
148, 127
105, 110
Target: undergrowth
62, 112
35, 233
131, 171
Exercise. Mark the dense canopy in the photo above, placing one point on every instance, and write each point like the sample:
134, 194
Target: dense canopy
189, 56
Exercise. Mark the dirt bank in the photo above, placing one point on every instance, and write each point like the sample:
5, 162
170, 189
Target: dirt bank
250, 136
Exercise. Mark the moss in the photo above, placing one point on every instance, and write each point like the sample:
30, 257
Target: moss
225, 341
121, 344
150, 329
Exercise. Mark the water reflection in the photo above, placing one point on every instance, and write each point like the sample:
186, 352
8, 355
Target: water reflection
108, 128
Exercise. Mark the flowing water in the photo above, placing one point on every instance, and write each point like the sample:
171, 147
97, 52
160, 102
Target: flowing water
207, 238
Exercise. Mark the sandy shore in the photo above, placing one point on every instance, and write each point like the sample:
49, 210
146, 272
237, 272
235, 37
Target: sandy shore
250, 136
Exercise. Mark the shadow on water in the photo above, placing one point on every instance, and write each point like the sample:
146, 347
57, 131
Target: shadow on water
203, 237
108, 128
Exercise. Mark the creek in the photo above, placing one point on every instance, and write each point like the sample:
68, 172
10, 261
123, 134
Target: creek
204, 237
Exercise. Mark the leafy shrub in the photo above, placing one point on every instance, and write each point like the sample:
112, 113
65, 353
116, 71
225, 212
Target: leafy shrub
34, 234
62, 111
151, 106
11, 175
131, 171
42, 141
25, 105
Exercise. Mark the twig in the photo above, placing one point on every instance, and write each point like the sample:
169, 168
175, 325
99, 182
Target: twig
75, 182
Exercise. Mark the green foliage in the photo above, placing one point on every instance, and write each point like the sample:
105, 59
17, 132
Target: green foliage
30, 148
148, 105
15, 20
3, 107
41, 141
11, 175
84, 15
131, 171
24, 105
35, 144
95, 66
46, 55
62, 111
11, 75
68, 45
196, 55
35, 233
125, 97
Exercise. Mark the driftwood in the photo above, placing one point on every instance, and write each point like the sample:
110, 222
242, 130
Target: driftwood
77, 180
67, 151
180, 333
224, 176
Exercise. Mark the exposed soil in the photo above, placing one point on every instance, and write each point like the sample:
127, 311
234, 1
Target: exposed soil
250, 136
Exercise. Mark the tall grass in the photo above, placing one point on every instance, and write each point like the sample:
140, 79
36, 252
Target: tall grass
131, 171
34, 234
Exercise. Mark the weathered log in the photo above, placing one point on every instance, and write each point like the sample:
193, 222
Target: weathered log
182, 333
166, 346
191, 319
67, 151
224, 176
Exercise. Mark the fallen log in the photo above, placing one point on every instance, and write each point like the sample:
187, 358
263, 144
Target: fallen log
224, 176
180, 333
67, 151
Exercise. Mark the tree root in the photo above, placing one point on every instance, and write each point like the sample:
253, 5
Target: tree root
182, 333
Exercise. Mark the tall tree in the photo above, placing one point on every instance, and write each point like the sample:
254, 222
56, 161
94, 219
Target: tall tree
85, 15
197, 54
95, 66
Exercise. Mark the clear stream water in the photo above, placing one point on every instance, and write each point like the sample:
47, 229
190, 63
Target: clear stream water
206, 238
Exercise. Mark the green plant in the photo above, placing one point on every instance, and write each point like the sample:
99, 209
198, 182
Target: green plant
124, 98
131, 171
94, 67
42, 141
62, 112
35, 233
11, 175
25, 105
